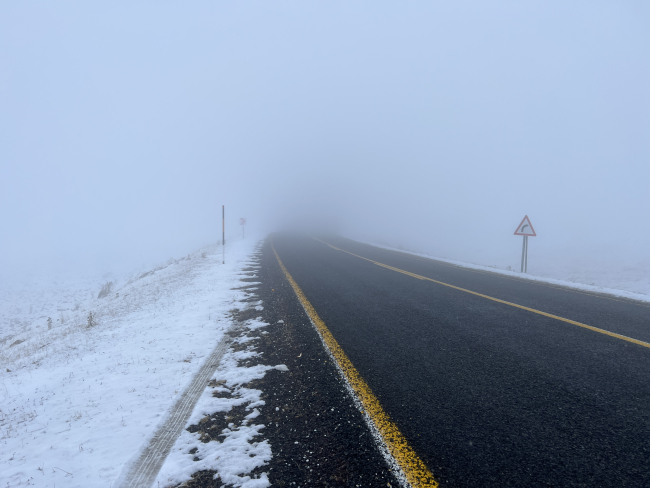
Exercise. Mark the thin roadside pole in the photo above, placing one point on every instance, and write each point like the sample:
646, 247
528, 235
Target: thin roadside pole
223, 233
526, 260
523, 253
242, 222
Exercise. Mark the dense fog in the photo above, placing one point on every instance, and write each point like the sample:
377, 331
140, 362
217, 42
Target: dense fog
434, 126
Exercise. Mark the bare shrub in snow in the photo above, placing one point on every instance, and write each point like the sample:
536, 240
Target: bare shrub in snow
92, 320
106, 289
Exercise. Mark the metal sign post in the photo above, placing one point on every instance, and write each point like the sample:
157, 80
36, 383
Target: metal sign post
223, 233
242, 222
524, 256
525, 228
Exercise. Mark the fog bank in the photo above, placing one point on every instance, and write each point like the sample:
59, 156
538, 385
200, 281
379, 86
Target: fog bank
437, 127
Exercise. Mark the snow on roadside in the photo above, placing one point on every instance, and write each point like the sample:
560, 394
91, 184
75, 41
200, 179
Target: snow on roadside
613, 281
76, 402
237, 451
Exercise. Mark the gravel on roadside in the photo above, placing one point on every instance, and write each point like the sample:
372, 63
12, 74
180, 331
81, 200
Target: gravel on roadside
318, 437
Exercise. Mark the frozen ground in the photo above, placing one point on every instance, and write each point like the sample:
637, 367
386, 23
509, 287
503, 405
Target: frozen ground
238, 451
77, 402
624, 281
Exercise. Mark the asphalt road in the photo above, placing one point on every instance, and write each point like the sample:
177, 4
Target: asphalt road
486, 393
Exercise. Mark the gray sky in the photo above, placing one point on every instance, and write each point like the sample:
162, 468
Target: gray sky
125, 126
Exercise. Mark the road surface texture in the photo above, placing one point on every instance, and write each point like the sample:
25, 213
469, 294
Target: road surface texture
487, 390
318, 437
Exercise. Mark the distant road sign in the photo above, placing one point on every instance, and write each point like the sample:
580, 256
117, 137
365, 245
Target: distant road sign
242, 221
525, 228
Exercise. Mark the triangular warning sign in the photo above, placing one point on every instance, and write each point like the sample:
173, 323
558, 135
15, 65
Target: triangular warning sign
525, 228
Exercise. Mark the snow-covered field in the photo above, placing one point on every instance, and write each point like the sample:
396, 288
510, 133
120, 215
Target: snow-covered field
76, 402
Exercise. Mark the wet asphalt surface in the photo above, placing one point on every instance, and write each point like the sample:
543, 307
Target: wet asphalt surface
487, 394
317, 436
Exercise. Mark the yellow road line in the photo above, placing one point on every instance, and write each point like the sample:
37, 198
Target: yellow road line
539, 312
630, 301
413, 468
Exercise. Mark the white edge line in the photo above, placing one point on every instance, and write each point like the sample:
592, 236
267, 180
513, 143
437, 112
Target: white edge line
390, 460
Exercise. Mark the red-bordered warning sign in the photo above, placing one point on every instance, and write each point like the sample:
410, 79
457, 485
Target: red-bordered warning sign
525, 228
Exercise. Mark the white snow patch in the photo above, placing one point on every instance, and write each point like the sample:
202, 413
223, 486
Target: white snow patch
237, 453
82, 400
256, 324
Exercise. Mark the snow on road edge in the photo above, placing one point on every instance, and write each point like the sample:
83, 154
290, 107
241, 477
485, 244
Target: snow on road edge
238, 451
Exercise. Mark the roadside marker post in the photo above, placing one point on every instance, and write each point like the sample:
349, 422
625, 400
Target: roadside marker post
525, 229
242, 222
223, 233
